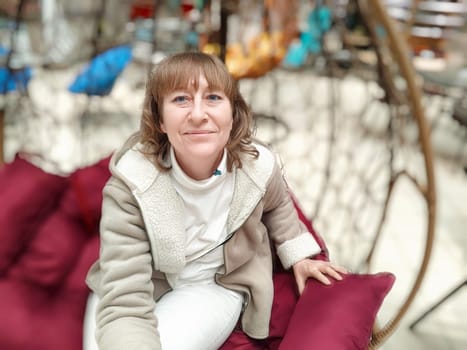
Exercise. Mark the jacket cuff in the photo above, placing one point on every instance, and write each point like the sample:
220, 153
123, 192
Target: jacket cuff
296, 249
128, 335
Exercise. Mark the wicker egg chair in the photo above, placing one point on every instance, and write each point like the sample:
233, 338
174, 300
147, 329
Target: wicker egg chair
394, 116
403, 93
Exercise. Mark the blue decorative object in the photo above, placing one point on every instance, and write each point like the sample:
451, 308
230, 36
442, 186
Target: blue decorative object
296, 55
192, 39
99, 76
13, 79
318, 23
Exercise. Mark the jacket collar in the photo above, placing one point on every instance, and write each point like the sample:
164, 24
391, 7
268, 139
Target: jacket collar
162, 208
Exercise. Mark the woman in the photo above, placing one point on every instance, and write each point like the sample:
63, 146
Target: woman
189, 217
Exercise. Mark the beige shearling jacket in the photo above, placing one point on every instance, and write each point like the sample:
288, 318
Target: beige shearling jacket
142, 238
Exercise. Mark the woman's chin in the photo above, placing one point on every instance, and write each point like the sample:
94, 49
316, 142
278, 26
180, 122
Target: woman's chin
204, 152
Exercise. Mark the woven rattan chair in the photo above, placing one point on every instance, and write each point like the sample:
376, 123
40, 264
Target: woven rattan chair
378, 56
437, 27
393, 52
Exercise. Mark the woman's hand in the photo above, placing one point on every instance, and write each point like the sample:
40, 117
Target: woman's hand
317, 269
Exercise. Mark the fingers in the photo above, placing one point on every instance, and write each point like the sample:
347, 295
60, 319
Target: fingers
330, 270
336, 271
300, 284
340, 269
322, 271
322, 278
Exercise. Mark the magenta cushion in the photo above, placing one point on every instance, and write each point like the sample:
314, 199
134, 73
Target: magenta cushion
58, 250
283, 304
54, 250
339, 316
285, 298
86, 198
36, 319
28, 196
238, 340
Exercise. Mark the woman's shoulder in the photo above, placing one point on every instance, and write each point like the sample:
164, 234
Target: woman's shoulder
133, 167
267, 156
261, 168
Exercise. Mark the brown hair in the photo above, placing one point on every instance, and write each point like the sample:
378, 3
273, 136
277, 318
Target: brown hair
176, 72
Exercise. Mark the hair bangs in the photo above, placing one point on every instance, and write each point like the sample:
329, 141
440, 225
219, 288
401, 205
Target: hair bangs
218, 78
172, 77
184, 72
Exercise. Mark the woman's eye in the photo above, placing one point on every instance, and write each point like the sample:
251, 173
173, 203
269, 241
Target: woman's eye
180, 99
214, 97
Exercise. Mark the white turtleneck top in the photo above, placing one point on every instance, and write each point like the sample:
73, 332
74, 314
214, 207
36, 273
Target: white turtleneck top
206, 205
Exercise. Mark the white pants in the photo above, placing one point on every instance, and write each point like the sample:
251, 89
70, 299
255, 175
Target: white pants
199, 317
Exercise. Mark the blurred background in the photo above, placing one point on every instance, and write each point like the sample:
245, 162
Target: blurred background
364, 100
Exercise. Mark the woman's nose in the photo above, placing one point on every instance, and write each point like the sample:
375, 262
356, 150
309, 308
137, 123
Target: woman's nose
198, 112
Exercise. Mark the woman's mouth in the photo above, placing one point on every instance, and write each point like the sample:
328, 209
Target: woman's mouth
198, 132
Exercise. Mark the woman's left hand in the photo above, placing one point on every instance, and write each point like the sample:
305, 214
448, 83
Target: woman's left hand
318, 269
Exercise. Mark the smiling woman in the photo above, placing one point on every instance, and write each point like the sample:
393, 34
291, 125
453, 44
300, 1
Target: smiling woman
196, 90
198, 122
189, 217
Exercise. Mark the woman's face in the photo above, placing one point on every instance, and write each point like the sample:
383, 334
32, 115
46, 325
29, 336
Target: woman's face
197, 121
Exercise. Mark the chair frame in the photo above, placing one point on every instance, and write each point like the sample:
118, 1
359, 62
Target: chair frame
375, 14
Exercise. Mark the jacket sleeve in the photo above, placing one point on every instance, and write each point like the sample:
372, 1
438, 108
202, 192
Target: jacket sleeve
291, 238
125, 318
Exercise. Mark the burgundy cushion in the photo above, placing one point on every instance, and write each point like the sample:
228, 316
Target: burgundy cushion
76, 280
28, 196
55, 248
86, 197
285, 298
59, 253
238, 340
52, 252
283, 305
338, 316
38, 319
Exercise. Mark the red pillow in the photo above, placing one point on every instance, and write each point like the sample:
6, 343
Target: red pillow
283, 304
86, 197
285, 298
238, 340
338, 316
28, 196
54, 250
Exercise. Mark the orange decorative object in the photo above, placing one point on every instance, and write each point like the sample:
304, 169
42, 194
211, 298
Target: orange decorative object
259, 38
261, 54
